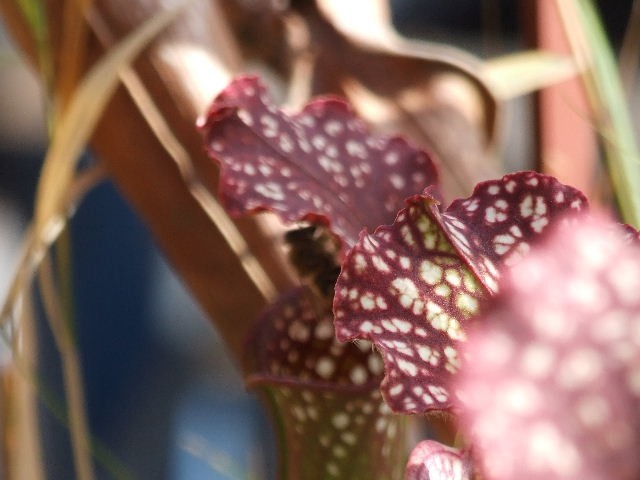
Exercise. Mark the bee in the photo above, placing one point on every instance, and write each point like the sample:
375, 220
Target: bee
314, 252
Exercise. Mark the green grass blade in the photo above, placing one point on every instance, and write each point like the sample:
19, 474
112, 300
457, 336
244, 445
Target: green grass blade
613, 117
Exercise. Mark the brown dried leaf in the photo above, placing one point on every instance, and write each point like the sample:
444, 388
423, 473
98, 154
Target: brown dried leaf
422, 89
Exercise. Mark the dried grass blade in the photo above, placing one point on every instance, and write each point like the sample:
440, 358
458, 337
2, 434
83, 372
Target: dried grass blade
521, 73
72, 52
161, 129
24, 454
71, 132
36, 246
72, 373
74, 128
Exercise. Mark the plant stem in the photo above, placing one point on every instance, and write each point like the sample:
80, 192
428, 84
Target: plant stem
60, 322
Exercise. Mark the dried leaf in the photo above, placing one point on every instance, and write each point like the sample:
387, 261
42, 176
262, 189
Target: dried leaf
411, 287
423, 89
549, 387
431, 460
320, 165
521, 73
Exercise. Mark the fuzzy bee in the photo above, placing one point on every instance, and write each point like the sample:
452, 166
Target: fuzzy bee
313, 251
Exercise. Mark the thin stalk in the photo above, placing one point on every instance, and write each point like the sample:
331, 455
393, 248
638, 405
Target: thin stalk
24, 459
161, 129
71, 130
606, 94
34, 254
18, 304
61, 316
36, 246
23, 362
71, 370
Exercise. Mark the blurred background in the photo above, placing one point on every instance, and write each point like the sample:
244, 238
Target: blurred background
163, 397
